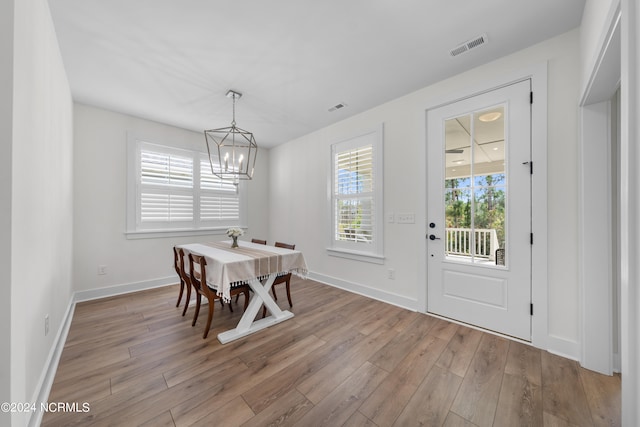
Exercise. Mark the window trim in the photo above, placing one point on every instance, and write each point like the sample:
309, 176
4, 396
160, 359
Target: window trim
134, 144
352, 250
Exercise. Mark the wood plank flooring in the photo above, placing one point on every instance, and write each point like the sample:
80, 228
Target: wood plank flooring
343, 360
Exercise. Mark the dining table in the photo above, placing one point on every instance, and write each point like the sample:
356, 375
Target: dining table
252, 264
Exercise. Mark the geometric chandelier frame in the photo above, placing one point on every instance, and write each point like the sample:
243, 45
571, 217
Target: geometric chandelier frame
236, 149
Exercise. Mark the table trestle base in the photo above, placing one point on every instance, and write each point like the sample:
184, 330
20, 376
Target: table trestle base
247, 325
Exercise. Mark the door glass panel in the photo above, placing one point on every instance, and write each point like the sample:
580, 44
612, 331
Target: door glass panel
475, 187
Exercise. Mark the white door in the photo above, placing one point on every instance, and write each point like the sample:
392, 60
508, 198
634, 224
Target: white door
479, 210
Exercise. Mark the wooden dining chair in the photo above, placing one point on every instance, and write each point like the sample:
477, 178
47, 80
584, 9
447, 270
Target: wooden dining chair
198, 274
178, 264
185, 277
286, 279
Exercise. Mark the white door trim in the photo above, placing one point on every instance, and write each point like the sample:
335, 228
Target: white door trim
630, 202
595, 220
594, 238
538, 75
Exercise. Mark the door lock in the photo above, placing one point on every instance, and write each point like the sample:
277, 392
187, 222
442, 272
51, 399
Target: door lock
433, 237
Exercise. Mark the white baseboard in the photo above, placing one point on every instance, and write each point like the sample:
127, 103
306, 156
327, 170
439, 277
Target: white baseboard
617, 363
563, 347
356, 288
111, 291
43, 389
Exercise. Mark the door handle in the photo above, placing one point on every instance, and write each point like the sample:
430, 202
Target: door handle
433, 237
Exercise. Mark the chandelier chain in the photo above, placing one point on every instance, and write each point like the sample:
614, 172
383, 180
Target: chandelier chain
233, 122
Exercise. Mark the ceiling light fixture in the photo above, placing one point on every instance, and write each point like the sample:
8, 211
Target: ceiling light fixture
235, 148
490, 117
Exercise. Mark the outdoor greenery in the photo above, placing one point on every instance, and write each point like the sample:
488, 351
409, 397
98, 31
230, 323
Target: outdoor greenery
487, 204
355, 206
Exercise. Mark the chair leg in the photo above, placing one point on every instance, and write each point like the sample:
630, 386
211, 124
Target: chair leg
181, 291
246, 299
209, 317
186, 304
195, 315
273, 291
289, 294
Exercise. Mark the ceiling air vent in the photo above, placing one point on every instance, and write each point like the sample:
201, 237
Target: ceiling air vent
468, 45
337, 107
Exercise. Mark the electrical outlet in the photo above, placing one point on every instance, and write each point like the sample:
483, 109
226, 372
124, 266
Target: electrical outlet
102, 270
46, 325
391, 274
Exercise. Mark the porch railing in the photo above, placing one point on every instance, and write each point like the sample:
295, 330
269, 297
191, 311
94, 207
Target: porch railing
458, 242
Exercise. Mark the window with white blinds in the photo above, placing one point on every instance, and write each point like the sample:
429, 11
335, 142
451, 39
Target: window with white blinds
176, 190
357, 194
354, 195
219, 200
166, 184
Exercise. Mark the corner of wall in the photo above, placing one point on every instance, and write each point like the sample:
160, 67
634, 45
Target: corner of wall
6, 135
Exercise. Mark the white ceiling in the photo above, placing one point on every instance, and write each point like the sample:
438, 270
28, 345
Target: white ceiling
173, 61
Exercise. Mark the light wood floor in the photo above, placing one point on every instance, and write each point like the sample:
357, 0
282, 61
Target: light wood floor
343, 360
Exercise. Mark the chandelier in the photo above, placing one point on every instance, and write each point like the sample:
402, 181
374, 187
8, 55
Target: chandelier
232, 151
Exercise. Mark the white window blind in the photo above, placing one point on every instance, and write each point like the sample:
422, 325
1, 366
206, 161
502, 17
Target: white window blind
166, 169
219, 200
356, 197
166, 183
176, 190
165, 207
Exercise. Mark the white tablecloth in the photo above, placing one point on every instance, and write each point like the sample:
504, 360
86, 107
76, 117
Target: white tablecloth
226, 265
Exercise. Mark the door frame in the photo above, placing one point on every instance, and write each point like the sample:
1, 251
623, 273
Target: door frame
596, 266
538, 75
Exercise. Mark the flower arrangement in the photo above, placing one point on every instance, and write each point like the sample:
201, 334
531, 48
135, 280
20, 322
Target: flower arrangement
234, 233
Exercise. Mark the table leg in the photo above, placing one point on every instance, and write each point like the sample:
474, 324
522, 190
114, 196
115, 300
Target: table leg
247, 324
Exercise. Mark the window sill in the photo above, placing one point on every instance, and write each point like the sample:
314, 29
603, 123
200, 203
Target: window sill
357, 256
155, 234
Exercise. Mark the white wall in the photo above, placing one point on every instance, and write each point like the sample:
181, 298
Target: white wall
40, 199
6, 145
300, 172
100, 190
